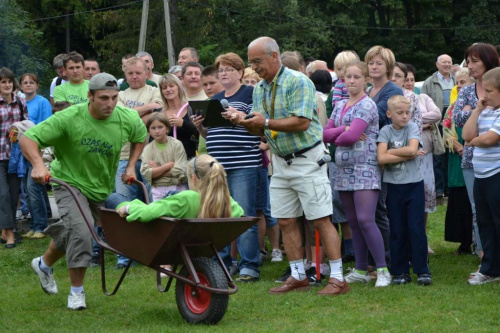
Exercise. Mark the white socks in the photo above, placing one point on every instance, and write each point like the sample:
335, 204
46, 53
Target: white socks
336, 269
43, 267
298, 271
76, 290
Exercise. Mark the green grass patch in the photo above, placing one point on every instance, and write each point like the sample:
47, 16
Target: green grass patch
448, 305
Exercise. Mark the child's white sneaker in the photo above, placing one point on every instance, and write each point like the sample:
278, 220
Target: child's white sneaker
383, 278
355, 277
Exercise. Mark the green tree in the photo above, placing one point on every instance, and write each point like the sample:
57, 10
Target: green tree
20, 41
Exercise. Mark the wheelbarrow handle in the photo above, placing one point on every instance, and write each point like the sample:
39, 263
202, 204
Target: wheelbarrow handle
85, 216
132, 180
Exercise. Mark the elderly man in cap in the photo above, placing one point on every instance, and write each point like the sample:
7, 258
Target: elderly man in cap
87, 140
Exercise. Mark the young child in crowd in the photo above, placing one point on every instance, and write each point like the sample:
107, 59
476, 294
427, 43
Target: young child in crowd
482, 131
398, 146
210, 81
164, 159
211, 86
207, 197
353, 128
339, 66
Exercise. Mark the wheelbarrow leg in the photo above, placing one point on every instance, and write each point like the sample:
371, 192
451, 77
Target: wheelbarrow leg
169, 282
224, 269
103, 275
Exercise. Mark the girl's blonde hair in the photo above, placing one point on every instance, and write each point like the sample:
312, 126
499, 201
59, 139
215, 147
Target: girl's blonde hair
344, 58
213, 188
361, 65
251, 73
172, 79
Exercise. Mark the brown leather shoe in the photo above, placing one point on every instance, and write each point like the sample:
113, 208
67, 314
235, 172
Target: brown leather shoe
335, 287
291, 284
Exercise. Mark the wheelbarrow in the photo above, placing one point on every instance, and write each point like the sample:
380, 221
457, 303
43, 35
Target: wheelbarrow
203, 283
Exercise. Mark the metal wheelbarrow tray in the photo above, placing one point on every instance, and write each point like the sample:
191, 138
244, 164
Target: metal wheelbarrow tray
203, 283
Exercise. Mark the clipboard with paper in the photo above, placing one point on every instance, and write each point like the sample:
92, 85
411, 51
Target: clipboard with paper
210, 110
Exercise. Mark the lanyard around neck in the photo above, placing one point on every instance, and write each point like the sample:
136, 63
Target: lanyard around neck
273, 94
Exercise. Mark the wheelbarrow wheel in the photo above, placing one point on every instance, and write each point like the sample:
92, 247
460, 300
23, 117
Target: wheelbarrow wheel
199, 306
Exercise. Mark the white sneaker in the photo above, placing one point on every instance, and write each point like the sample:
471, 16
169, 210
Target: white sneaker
479, 278
354, 277
76, 301
383, 278
276, 255
46, 279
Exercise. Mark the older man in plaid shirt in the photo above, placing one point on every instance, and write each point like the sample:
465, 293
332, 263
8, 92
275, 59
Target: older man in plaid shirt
284, 110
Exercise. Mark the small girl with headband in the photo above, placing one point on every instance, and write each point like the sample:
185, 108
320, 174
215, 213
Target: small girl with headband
207, 197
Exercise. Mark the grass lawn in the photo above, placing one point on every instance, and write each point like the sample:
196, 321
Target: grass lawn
448, 305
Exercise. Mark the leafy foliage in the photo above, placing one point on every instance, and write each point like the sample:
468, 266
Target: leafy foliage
19, 41
416, 30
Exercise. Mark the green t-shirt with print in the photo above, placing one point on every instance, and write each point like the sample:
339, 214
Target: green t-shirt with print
87, 150
73, 93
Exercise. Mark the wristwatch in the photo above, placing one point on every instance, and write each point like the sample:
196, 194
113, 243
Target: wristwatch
266, 124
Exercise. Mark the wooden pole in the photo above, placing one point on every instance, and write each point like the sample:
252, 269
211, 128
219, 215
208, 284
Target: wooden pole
144, 25
168, 32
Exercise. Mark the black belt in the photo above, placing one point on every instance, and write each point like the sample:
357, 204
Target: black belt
299, 153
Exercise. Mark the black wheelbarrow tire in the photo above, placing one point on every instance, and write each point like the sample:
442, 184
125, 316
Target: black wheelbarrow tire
199, 306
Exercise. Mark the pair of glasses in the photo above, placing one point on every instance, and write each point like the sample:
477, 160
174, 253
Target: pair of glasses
226, 70
258, 60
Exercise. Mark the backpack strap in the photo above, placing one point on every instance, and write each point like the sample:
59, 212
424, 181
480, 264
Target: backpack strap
21, 108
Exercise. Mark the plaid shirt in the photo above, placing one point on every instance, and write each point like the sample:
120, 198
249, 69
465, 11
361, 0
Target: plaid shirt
9, 114
295, 96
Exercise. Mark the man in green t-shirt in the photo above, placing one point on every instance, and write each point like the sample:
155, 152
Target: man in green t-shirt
76, 89
87, 140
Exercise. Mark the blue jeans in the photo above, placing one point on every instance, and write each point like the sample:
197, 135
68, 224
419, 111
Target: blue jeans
263, 202
35, 198
243, 188
123, 193
405, 206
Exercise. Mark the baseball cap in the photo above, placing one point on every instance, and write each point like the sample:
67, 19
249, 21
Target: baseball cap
103, 81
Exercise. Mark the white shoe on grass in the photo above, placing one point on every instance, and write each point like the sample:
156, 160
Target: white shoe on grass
76, 301
355, 277
276, 255
383, 278
46, 279
479, 278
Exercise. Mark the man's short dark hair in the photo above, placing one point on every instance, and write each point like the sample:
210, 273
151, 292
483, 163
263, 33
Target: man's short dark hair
194, 52
58, 61
191, 64
209, 71
322, 80
128, 56
75, 57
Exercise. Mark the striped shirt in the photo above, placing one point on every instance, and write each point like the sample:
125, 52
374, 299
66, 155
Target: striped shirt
234, 147
487, 160
295, 96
